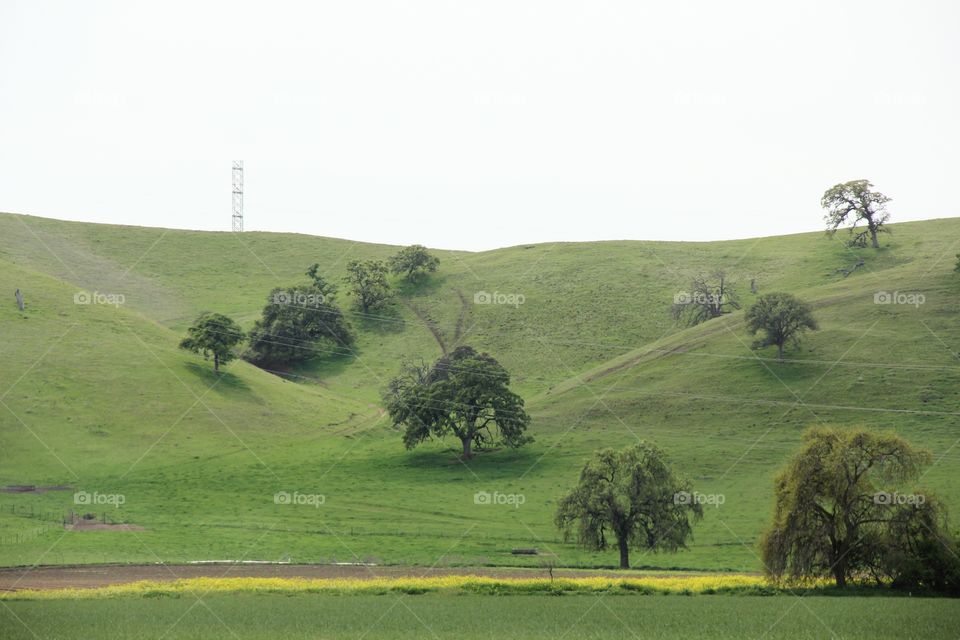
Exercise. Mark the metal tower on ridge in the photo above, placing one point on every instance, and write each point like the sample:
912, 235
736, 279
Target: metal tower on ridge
238, 195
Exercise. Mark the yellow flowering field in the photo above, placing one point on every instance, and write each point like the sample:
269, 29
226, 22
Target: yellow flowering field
688, 585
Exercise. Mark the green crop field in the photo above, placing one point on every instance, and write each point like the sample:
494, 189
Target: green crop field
469, 617
97, 398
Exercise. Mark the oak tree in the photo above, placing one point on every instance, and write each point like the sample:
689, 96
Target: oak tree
213, 334
465, 394
709, 297
629, 498
852, 203
368, 284
413, 262
299, 323
780, 318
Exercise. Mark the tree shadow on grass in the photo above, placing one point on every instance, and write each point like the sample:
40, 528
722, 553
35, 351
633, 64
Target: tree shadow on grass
328, 365
501, 462
383, 321
224, 382
421, 286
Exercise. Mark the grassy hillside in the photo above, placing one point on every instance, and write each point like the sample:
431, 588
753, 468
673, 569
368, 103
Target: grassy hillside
99, 398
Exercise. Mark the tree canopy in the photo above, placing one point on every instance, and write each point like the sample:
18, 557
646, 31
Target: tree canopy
852, 203
465, 394
780, 318
413, 261
213, 334
842, 509
368, 284
299, 323
632, 497
709, 297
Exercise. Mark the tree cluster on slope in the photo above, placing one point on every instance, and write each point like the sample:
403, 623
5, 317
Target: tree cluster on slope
298, 323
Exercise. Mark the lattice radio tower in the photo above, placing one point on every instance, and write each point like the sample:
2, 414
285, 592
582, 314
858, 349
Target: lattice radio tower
238, 195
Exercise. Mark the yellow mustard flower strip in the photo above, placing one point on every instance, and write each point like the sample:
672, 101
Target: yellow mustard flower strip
442, 584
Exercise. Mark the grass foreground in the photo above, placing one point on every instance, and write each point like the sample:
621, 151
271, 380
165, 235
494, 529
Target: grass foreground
275, 615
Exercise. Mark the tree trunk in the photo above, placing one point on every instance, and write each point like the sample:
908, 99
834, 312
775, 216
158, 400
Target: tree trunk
779, 352
624, 553
839, 566
216, 363
840, 575
467, 442
873, 238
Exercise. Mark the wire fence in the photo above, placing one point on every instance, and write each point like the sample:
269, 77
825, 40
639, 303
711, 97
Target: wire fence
48, 521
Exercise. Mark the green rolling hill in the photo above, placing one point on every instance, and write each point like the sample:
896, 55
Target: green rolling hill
99, 398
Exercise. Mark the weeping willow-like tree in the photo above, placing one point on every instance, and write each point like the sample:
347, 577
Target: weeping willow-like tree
629, 498
842, 507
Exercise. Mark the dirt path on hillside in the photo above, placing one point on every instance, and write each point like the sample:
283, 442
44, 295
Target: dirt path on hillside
429, 324
89, 576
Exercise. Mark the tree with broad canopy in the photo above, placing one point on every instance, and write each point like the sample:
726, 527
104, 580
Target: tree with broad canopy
465, 394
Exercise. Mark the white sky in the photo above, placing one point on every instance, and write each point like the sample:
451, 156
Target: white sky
478, 124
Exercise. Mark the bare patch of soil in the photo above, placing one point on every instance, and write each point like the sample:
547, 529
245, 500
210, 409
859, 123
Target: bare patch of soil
90, 523
30, 488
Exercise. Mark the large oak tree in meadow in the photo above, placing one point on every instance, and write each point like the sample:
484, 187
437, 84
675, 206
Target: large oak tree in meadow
465, 394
